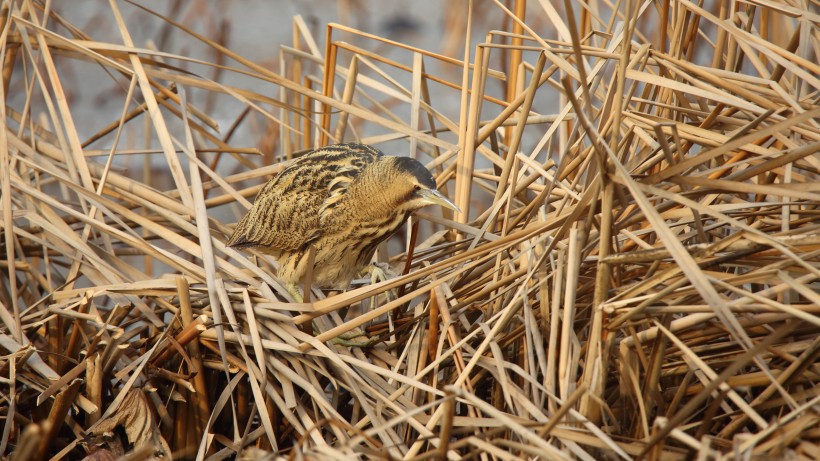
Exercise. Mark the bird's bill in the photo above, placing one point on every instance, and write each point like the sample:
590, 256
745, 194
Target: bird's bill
434, 197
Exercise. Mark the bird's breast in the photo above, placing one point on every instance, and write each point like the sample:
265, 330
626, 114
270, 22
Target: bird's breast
342, 253
380, 228
372, 234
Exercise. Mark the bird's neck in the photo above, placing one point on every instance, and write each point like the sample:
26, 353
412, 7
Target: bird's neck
373, 187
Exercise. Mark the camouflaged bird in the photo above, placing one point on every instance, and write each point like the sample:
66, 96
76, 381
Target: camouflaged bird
343, 200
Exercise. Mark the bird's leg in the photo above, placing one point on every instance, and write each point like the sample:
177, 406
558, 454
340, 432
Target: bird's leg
346, 339
349, 338
294, 292
377, 272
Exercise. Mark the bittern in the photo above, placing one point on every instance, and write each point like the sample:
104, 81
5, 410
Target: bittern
342, 201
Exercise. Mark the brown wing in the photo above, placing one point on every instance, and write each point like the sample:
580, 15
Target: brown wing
285, 213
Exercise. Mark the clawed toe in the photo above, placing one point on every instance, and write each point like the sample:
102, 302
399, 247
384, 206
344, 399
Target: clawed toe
349, 339
378, 272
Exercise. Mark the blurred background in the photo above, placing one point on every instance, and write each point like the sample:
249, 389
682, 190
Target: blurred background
272, 35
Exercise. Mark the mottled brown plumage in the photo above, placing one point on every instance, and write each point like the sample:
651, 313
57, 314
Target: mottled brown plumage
343, 200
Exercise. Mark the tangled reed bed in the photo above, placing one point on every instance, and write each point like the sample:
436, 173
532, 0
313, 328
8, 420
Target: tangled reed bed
634, 274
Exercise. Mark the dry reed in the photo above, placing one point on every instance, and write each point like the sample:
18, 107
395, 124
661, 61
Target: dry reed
634, 275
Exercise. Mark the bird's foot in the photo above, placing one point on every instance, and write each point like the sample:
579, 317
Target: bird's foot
353, 338
380, 272
294, 292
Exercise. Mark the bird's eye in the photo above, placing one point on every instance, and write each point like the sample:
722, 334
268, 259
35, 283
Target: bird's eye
417, 187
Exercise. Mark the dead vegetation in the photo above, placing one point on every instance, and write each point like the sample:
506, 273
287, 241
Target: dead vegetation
635, 274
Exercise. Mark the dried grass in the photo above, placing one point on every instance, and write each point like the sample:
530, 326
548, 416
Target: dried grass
634, 275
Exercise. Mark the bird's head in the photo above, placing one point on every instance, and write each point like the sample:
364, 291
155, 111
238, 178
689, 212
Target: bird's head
416, 186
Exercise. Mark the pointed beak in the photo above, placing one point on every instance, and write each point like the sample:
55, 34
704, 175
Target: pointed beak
434, 197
